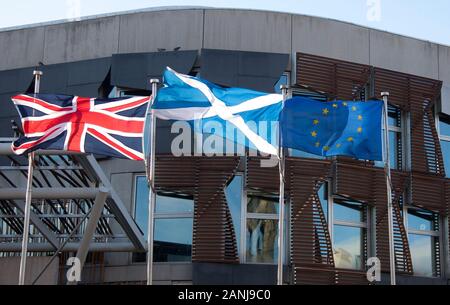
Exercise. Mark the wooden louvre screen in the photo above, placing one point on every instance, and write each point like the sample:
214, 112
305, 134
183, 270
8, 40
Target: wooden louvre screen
205, 178
338, 79
418, 96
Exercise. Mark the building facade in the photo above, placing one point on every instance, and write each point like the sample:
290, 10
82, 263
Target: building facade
216, 217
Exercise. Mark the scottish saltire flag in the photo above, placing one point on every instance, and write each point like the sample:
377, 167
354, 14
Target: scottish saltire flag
109, 127
187, 98
333, 128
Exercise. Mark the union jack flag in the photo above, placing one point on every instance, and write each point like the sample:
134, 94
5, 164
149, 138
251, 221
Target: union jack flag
109, 127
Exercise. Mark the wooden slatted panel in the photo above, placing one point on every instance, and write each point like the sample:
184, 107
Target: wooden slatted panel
428, 192
354, 181
262, 178
368, 184
338, 79
350, 277
313, 275
417, 95
311, 248
214, 239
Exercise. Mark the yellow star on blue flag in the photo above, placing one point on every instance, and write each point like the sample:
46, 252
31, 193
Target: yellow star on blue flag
333, 128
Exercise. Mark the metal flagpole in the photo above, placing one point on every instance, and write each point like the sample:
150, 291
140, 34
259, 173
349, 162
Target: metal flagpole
387, 167
281, 164
26, 221
151, 181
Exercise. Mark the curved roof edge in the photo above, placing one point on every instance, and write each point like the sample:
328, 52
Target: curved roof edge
174, 8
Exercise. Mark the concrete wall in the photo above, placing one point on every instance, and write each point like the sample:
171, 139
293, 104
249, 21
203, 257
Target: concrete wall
232, 29
9, 270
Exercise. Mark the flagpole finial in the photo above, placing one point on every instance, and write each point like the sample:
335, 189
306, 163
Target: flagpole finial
154, 81
37, 72
284, 87
385, 93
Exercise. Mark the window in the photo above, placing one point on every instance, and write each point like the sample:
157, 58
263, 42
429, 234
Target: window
349, 229
255, 220
423, 236
444, 134
173, 223
395, 139
349, 233
233, 193
262, 229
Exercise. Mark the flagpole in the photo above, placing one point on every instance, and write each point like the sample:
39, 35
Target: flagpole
387, 166
281, 164
26, 216
151, 181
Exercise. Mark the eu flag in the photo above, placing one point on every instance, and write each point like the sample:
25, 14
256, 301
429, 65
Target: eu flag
333, 128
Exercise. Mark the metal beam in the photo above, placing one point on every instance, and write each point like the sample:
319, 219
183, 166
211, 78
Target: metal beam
115, 204
72, 247
49, 193
94, 217
37, 222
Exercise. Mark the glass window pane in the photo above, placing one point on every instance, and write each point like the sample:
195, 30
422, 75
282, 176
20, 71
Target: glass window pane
233, 193
173, 240
165, 204
444, 128
394, 140
323, 196
262, 236
348, 211
421, 247
420, 220
262, 205
394, 116
348, 247
446, 152
141, 204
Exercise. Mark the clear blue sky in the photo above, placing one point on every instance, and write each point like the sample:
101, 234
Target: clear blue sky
428, 20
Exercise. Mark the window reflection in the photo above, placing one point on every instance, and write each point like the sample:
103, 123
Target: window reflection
348, 211
262, 205
420, 220
349, 233
348, 247
262, 229
423, 237
422, 249
262, 235
323, 196
444, 128
446, 153
395, 138
173, 224
173, 240
233, 193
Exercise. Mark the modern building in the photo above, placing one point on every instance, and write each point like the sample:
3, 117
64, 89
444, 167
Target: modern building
216, 217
